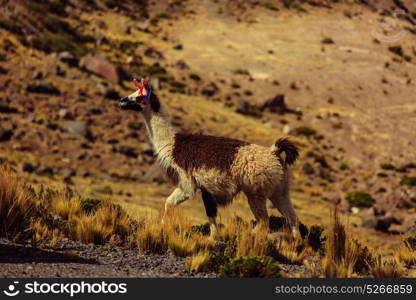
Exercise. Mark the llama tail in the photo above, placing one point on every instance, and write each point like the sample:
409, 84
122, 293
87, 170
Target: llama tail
289, 148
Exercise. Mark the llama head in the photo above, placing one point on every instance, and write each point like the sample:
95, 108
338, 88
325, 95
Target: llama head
141, 100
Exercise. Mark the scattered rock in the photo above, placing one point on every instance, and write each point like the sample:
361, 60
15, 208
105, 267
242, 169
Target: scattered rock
37, 75
276, 104
108, 92
210, 90
56, 70
178, 47
144, 26
112, 141
135, 125
181, 65
3, 70
100, 39
101, 24
147, 149
76, 128
68, 58
242, 107
28, 167
127, 28
82, 173
46, 171
126, 150
5, 134
67, 175
136, 174
153, 53
43, 88
65, 114
5, 106
368, 221
383, 224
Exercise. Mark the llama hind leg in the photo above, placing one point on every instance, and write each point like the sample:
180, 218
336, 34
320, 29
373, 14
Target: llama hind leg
258, 207
211, 210
281, 201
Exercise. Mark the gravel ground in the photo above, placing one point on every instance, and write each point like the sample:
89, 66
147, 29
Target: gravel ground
72, 259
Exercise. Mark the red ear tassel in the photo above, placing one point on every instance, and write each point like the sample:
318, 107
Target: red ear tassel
140, 87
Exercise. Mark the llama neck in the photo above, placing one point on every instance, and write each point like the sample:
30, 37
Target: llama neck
159, 129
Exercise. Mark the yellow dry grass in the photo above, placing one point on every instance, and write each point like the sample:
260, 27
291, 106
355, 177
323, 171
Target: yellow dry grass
199, 262
177, 235
386, 268
406, 255
342, 252
17, 207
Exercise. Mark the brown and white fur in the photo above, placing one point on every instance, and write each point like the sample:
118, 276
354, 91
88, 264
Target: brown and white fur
220, 167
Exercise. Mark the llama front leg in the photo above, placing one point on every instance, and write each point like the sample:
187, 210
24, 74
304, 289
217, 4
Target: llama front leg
177, 197
258, 207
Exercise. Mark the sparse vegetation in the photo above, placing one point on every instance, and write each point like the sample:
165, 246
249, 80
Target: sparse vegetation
386, 268
398, 50
327, 40
17, 208
269, 5
359, 198
343, 166
103, 175
11, 26
387, 166
52, 42
250, 267
241, 72
304, 130
341, 252
410, 181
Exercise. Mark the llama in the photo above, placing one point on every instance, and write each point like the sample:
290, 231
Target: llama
220, 167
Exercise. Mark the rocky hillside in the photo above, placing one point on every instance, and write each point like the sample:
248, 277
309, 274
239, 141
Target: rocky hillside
336, 75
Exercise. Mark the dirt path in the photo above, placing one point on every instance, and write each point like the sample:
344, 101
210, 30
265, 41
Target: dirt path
72, 259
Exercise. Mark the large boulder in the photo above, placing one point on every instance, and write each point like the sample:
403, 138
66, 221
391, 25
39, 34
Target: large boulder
101, 66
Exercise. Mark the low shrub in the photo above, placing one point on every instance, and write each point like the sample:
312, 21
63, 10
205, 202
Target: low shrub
52, 42
359, 198
250, 267
315, 238
11, 26
269, 5
327, 40
305, 131
18, 208
90, 205
410, 181
387, 166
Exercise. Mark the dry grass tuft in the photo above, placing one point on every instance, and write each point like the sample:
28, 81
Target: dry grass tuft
406, 254
200, 262
386, 268
342, 253
17, 207
175, 235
